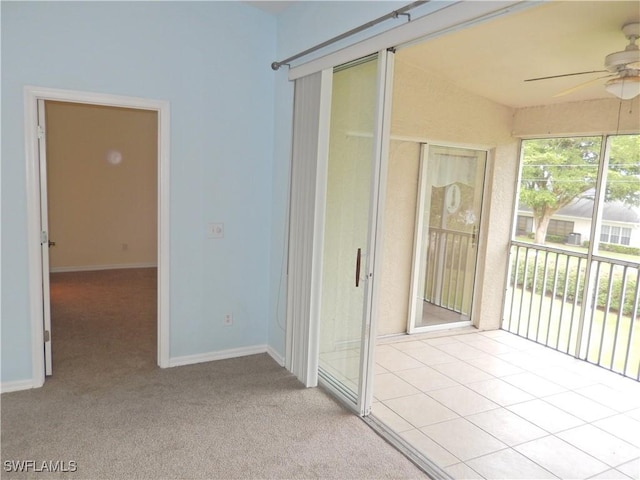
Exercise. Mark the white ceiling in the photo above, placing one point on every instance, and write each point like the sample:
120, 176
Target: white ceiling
493, 59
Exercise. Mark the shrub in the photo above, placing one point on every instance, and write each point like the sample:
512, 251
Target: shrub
556, 238
571, 283
608, 247
620, 249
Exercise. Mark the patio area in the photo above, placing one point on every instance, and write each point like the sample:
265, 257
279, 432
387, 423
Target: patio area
494, 405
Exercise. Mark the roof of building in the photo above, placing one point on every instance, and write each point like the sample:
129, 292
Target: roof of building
613, 211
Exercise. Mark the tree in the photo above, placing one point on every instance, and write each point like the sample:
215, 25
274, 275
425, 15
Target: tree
623, 180
557, 171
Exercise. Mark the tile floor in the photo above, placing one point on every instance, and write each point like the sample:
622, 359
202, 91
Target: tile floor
493, 405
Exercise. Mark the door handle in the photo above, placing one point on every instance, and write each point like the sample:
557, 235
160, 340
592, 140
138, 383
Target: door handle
358, 255
474, 237
52, 244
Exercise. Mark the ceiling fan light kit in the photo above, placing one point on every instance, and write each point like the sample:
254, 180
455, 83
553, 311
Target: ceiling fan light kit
625, 88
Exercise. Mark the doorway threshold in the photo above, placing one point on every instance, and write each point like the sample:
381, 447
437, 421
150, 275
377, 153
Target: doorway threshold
425, 335
442, 327
407, 449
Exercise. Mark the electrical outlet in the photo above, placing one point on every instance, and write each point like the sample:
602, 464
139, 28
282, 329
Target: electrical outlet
215, 230
228, 319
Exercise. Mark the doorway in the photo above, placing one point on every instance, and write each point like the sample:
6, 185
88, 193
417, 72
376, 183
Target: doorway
39, 255
434, 251
101, 177
449, 207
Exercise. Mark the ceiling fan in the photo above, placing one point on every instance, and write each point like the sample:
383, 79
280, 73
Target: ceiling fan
623, 68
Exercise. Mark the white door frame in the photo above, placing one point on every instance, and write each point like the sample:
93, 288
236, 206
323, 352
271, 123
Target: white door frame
44, 235
416, 268
382, 137
36, 299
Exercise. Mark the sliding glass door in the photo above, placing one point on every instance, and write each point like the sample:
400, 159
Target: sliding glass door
352, 179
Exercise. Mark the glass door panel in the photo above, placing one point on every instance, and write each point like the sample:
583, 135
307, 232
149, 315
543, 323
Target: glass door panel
450, 203
344, 303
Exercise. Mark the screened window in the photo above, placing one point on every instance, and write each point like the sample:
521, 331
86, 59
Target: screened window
557, 185
559, 188
584, 196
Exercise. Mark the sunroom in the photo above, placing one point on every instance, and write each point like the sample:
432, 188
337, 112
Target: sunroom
422, 245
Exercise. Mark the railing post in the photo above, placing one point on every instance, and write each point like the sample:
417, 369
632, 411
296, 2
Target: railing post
634, 313
603, 167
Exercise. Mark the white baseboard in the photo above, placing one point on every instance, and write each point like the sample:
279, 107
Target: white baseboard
275, 355
7, 387
90, 268
175, 362
219, 355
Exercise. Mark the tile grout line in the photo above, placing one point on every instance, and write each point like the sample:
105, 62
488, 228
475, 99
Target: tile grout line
503, 407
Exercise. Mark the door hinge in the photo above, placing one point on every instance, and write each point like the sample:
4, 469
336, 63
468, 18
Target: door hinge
43, 237
47, 336
40, 132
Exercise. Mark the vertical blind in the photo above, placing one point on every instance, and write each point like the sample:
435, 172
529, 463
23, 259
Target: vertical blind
303, 214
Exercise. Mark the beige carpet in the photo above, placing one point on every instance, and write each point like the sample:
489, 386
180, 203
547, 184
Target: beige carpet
113, 412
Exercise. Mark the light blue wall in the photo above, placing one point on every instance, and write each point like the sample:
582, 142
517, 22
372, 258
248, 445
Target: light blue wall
210, 60
230, 144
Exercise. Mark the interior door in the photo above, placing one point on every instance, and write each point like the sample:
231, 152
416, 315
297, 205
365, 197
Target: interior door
45, 242
447, 227
351, 220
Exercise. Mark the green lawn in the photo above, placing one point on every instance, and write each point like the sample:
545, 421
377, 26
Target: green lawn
554, 322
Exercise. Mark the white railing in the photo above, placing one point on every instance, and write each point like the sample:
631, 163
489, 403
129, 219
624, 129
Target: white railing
448, 283
544, 303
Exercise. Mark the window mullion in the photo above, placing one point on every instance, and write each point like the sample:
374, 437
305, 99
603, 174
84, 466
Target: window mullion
590, 279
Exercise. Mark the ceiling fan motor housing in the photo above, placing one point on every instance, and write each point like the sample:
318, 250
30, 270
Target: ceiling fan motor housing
630, 56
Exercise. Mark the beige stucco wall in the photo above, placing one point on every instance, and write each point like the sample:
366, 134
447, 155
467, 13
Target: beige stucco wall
593, 117
430, 108
399, 222
101, 214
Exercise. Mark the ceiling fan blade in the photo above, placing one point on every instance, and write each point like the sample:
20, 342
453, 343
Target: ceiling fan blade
580, 86
564, 75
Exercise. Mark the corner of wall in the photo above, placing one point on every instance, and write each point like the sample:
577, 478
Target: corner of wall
15, 386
